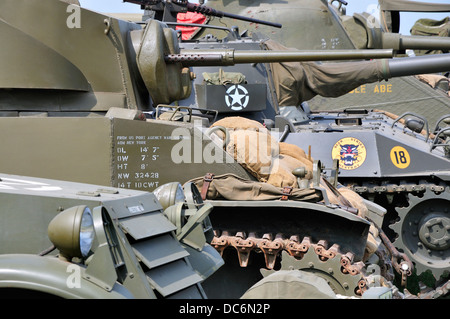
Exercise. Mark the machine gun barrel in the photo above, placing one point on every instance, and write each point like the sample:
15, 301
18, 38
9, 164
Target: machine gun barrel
232, 57
216, 13
193, 7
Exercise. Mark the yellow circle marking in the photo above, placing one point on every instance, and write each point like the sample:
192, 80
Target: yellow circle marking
350, 151
400, 157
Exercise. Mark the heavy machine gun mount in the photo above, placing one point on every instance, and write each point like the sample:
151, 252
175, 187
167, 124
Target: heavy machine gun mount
167, 11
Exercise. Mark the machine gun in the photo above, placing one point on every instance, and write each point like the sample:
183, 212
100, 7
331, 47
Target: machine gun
167, 11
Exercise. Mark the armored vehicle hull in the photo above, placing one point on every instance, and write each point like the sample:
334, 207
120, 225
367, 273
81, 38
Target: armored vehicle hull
385, 161
383, 177
99, 239
324, 25
139, 155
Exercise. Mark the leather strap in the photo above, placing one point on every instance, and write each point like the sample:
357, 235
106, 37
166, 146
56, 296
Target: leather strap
206, 181
287, 190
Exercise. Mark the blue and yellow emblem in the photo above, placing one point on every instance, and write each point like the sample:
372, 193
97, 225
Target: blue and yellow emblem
350, 152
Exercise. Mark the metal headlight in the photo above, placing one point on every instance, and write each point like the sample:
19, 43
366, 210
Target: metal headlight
169, 194
72, 232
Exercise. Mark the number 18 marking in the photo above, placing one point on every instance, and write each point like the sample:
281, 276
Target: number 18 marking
400, 157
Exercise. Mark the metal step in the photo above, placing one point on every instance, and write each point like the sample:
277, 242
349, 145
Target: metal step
157, 251
146, 225
173, 277
161, 255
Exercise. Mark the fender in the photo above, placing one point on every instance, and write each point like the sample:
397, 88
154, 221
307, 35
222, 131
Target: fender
52, 276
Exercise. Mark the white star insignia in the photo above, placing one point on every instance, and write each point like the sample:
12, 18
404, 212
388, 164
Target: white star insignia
239, 97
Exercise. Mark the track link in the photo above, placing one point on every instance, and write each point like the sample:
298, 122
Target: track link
343, 275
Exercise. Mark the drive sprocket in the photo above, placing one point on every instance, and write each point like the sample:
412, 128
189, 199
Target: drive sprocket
343, 282
423, 231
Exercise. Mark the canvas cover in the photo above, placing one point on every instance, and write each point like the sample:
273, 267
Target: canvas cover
272, 164
296, 82
413, 6
233, 187
223, 78
252, 146
436, 81
430, 27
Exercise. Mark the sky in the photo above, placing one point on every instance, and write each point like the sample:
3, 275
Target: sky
407, 19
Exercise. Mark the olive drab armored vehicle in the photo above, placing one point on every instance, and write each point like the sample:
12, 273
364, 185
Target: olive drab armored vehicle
321, 24
408, 93
74, 240
390, 161
97, 117
86, 121
395, 183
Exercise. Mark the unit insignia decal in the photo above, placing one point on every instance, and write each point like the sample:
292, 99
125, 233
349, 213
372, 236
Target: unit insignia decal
350, 152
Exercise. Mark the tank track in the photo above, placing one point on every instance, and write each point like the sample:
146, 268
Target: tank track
419, 216
343, 275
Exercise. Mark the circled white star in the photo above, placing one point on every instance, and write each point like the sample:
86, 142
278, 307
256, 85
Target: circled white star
236, 97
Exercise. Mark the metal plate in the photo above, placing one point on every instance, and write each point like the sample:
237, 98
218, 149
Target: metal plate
158, 251
146, 225
173, 277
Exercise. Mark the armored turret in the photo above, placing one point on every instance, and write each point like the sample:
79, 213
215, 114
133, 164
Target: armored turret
75, 80
321, 24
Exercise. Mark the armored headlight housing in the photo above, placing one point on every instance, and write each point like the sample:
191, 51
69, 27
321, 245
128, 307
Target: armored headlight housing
72, 232
169, 194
